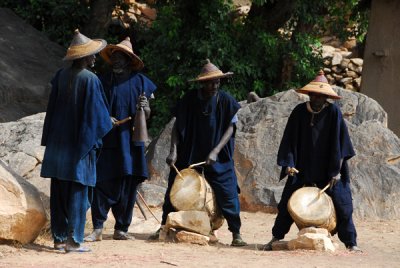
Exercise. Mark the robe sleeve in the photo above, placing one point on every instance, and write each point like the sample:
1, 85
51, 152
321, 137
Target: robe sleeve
148, 87
288, 148
342, 147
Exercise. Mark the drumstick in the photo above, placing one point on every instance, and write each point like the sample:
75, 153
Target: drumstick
120, 122
295, 170
323, 190
292, 171
198, 164
147, 206
177, 171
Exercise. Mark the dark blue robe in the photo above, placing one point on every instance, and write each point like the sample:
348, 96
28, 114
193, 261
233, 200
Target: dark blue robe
200, 125
316, 151
122, 163
120, 156
76, 121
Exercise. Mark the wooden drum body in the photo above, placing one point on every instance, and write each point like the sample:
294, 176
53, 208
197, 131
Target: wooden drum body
192, 192
310, 208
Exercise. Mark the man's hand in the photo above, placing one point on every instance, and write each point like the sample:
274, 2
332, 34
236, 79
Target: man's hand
212, 157
143, 102
113, 121
171, 159
291, 171
334, 180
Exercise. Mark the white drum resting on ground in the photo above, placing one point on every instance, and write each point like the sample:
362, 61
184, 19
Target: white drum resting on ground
192, 192
309, 207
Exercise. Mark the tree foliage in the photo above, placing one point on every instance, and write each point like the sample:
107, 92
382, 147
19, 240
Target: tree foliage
274, 48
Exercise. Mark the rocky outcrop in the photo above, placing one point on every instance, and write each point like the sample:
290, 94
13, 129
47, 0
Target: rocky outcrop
20, 149
22, 215
28, 60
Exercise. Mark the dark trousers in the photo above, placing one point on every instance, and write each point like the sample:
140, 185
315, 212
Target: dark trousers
342, 200
68, 205
227, 201
118, 194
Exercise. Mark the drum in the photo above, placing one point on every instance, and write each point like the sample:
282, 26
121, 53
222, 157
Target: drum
192, 192
310, 208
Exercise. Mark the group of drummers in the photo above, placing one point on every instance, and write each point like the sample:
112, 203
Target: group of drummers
313, 152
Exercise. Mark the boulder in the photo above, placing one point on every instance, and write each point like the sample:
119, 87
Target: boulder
194, 221
28, 61
22, 215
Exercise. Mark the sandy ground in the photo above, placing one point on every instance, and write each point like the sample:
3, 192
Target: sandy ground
380, 241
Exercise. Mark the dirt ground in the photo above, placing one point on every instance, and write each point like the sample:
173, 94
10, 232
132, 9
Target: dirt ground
379, 240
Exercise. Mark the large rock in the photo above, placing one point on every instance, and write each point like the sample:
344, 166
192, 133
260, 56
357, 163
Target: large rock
28, 60
20, 149
194, 221
22, 215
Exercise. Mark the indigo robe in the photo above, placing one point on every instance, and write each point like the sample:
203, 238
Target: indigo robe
200, 125
316, 150
121, 156
76, 120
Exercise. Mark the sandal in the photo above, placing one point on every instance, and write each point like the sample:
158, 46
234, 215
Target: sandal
237, 241
121, 235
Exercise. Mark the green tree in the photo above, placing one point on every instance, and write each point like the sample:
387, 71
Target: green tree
274, 48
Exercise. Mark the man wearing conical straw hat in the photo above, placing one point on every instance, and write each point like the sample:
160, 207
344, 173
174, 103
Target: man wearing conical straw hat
204, 130
76, 120
314, 150
122, 164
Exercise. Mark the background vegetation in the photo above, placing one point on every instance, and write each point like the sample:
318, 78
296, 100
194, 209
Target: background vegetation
274, 48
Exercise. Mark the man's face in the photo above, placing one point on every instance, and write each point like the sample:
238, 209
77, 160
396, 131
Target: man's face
119, 61
210, 88
317, 100
90, 60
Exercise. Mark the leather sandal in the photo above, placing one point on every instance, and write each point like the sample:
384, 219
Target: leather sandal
96, 235
237, 241
268, 246
121, 235
59, 245
354, 249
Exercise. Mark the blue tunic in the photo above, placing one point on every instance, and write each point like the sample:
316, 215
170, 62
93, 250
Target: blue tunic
201, 124
316, 150
120, 156
75, 122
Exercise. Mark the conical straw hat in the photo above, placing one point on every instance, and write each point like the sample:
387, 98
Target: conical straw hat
126, 47
319, 85
210, 72
82, 46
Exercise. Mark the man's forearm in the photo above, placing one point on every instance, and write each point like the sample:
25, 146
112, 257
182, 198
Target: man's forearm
225, 138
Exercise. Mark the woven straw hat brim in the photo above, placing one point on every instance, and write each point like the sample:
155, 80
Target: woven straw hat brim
211, 76
320, 88
136, 64
81, 51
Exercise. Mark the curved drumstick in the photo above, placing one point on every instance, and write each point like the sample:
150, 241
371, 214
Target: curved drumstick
123, 121
177, 171
323, 190
197, 164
